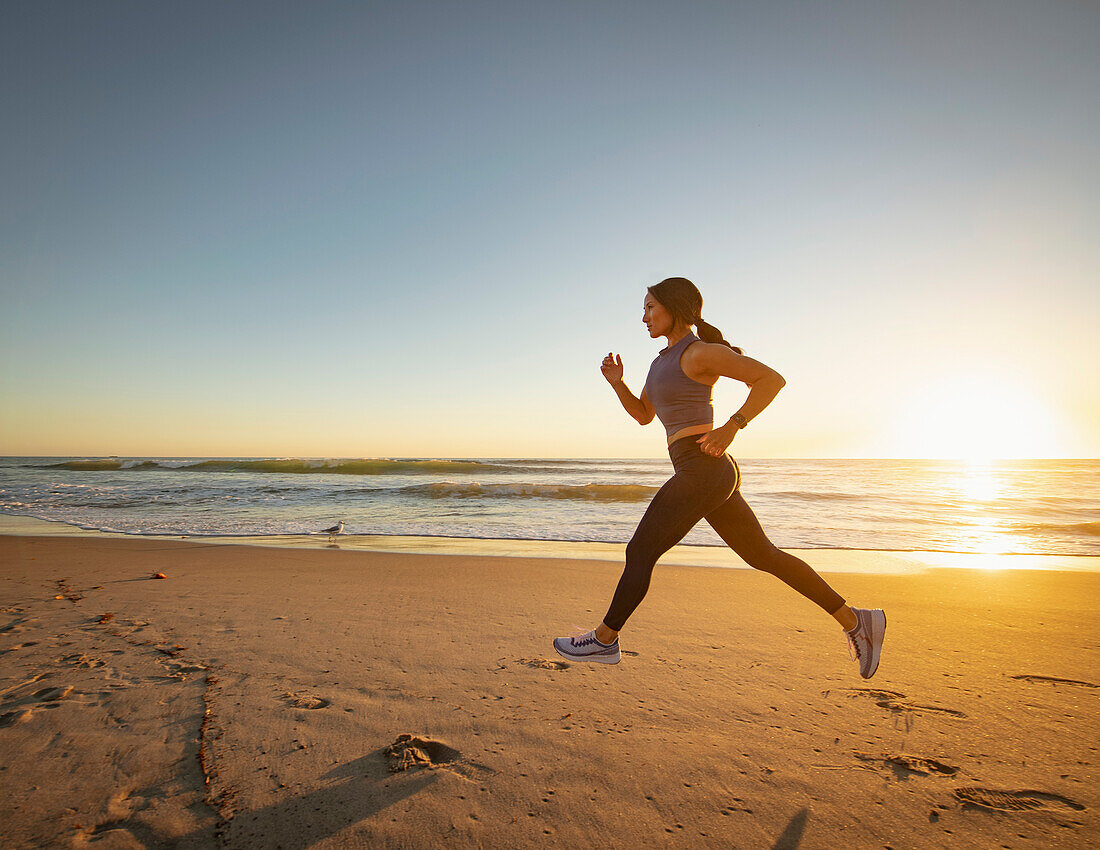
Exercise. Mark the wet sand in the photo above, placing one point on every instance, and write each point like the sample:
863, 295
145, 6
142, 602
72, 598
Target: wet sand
261, 697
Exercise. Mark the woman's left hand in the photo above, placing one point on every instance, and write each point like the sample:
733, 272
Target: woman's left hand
716, 442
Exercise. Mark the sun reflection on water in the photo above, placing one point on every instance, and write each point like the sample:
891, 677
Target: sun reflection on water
975, 484
978, 481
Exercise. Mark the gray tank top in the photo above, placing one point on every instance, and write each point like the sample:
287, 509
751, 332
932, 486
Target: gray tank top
678, 400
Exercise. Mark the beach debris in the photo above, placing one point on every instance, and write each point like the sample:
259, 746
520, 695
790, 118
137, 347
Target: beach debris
409, 752
67, 592
158, 575
105, 618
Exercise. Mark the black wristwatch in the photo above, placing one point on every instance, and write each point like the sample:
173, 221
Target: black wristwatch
739, 420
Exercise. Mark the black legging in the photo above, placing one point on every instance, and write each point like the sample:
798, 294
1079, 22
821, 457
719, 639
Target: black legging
706, 486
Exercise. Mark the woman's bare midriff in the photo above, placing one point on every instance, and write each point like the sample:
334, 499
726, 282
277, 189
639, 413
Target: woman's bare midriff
689, 431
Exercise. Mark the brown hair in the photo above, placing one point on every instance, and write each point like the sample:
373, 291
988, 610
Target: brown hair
682, 299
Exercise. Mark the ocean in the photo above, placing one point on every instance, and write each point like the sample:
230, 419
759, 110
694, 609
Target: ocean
1032, 507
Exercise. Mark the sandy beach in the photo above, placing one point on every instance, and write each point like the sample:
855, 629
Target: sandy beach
261, 697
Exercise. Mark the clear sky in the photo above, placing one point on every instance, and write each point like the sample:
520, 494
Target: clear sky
415, 229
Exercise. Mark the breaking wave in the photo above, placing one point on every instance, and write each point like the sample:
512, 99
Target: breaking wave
102, 465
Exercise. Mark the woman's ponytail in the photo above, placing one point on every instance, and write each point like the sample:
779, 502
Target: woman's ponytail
709, 333
681, 298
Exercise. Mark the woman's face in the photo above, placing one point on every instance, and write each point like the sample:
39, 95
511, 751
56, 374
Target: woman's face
656, 318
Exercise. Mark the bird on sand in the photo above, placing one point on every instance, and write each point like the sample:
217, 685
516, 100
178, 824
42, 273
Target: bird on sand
332, 532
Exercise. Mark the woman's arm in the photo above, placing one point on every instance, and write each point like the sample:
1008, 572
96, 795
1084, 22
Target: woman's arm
708, 362
639, 408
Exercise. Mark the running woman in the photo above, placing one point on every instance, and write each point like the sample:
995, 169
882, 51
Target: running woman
707, 481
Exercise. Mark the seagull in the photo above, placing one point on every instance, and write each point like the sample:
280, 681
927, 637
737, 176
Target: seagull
332, 532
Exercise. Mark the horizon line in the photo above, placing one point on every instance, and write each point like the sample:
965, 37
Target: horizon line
520, 457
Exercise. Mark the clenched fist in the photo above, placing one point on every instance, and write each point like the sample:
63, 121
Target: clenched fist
612, 368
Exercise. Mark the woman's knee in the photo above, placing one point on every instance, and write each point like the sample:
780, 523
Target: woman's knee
638, 552
766, 557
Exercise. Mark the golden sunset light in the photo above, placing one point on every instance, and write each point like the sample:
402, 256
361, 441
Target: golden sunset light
977, 418
546, 425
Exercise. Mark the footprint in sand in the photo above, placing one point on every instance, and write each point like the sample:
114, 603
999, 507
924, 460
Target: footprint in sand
79, 659
125, 825
53, 694
543, 663
1016, 801
905, 764
873, 693
311, 702
410, 752
895, 701
177, 670
19, 710
1054, 680
905, 707
10, 718
25, 644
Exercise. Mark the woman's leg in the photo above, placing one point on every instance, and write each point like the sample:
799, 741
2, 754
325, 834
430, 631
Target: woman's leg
684, 500
738, 526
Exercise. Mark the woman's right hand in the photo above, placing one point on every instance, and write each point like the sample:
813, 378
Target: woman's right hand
612, 368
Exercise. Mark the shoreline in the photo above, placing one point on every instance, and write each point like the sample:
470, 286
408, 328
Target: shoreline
871, 561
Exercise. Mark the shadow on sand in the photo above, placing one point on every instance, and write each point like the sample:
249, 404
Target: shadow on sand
790, 838
361, 789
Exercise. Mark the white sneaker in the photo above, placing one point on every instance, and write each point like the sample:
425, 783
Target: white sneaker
585, 647
865, 640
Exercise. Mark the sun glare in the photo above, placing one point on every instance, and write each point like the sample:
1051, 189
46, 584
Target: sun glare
977, 419
978, 482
